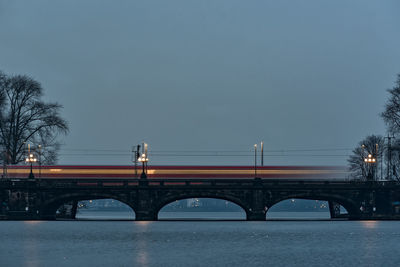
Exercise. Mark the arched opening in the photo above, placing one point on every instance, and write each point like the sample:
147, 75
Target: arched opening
94, 209
202, 209
305, 209
104, 209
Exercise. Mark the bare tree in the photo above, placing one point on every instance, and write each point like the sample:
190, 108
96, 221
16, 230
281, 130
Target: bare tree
25, 118
391, 115
393, 155
360, 169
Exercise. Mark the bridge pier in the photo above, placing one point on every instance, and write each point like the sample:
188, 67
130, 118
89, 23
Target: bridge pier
258, 215
74, 209
144, 204
145, 216
334, 209
256, 203
48, 217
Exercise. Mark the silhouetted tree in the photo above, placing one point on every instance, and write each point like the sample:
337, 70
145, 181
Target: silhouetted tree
25, 118
394, 167
361, 170
391, 115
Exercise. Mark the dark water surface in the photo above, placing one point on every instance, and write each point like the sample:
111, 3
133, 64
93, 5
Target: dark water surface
199, 243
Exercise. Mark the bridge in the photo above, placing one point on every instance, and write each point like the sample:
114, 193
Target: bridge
39, 199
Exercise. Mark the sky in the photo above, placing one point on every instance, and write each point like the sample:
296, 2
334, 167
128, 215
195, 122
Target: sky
203, 81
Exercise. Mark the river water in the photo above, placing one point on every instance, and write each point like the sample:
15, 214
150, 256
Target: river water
199, 243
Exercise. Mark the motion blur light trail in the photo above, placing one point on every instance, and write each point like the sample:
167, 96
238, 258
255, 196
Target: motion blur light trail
172, 172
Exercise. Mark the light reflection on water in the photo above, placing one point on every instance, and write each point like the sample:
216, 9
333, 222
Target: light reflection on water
142, 258
199, 243
370, 224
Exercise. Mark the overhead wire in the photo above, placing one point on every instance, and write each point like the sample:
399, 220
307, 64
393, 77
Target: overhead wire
206, 151
105, 152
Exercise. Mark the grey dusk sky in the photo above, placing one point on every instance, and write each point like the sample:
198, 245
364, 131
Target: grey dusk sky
208, 75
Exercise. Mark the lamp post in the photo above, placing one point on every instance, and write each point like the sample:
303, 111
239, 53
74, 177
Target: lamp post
363, 165
30, 159
369, 161
378, 162
40, 160
255, 160
262, 153
143, 159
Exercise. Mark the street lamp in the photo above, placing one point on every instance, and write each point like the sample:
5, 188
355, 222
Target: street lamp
40, 160
31, 159
363, 166
262, 153
143, 159
369, 161
255, 160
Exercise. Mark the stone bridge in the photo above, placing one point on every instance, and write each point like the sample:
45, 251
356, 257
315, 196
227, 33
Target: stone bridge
40, 199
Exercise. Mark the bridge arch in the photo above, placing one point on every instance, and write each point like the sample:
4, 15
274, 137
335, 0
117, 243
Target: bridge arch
49, 208
351, 207
172, 198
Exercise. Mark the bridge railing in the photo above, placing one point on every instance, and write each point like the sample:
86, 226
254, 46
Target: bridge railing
133, 183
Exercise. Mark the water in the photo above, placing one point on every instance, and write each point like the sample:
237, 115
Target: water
199, 243
126, 215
